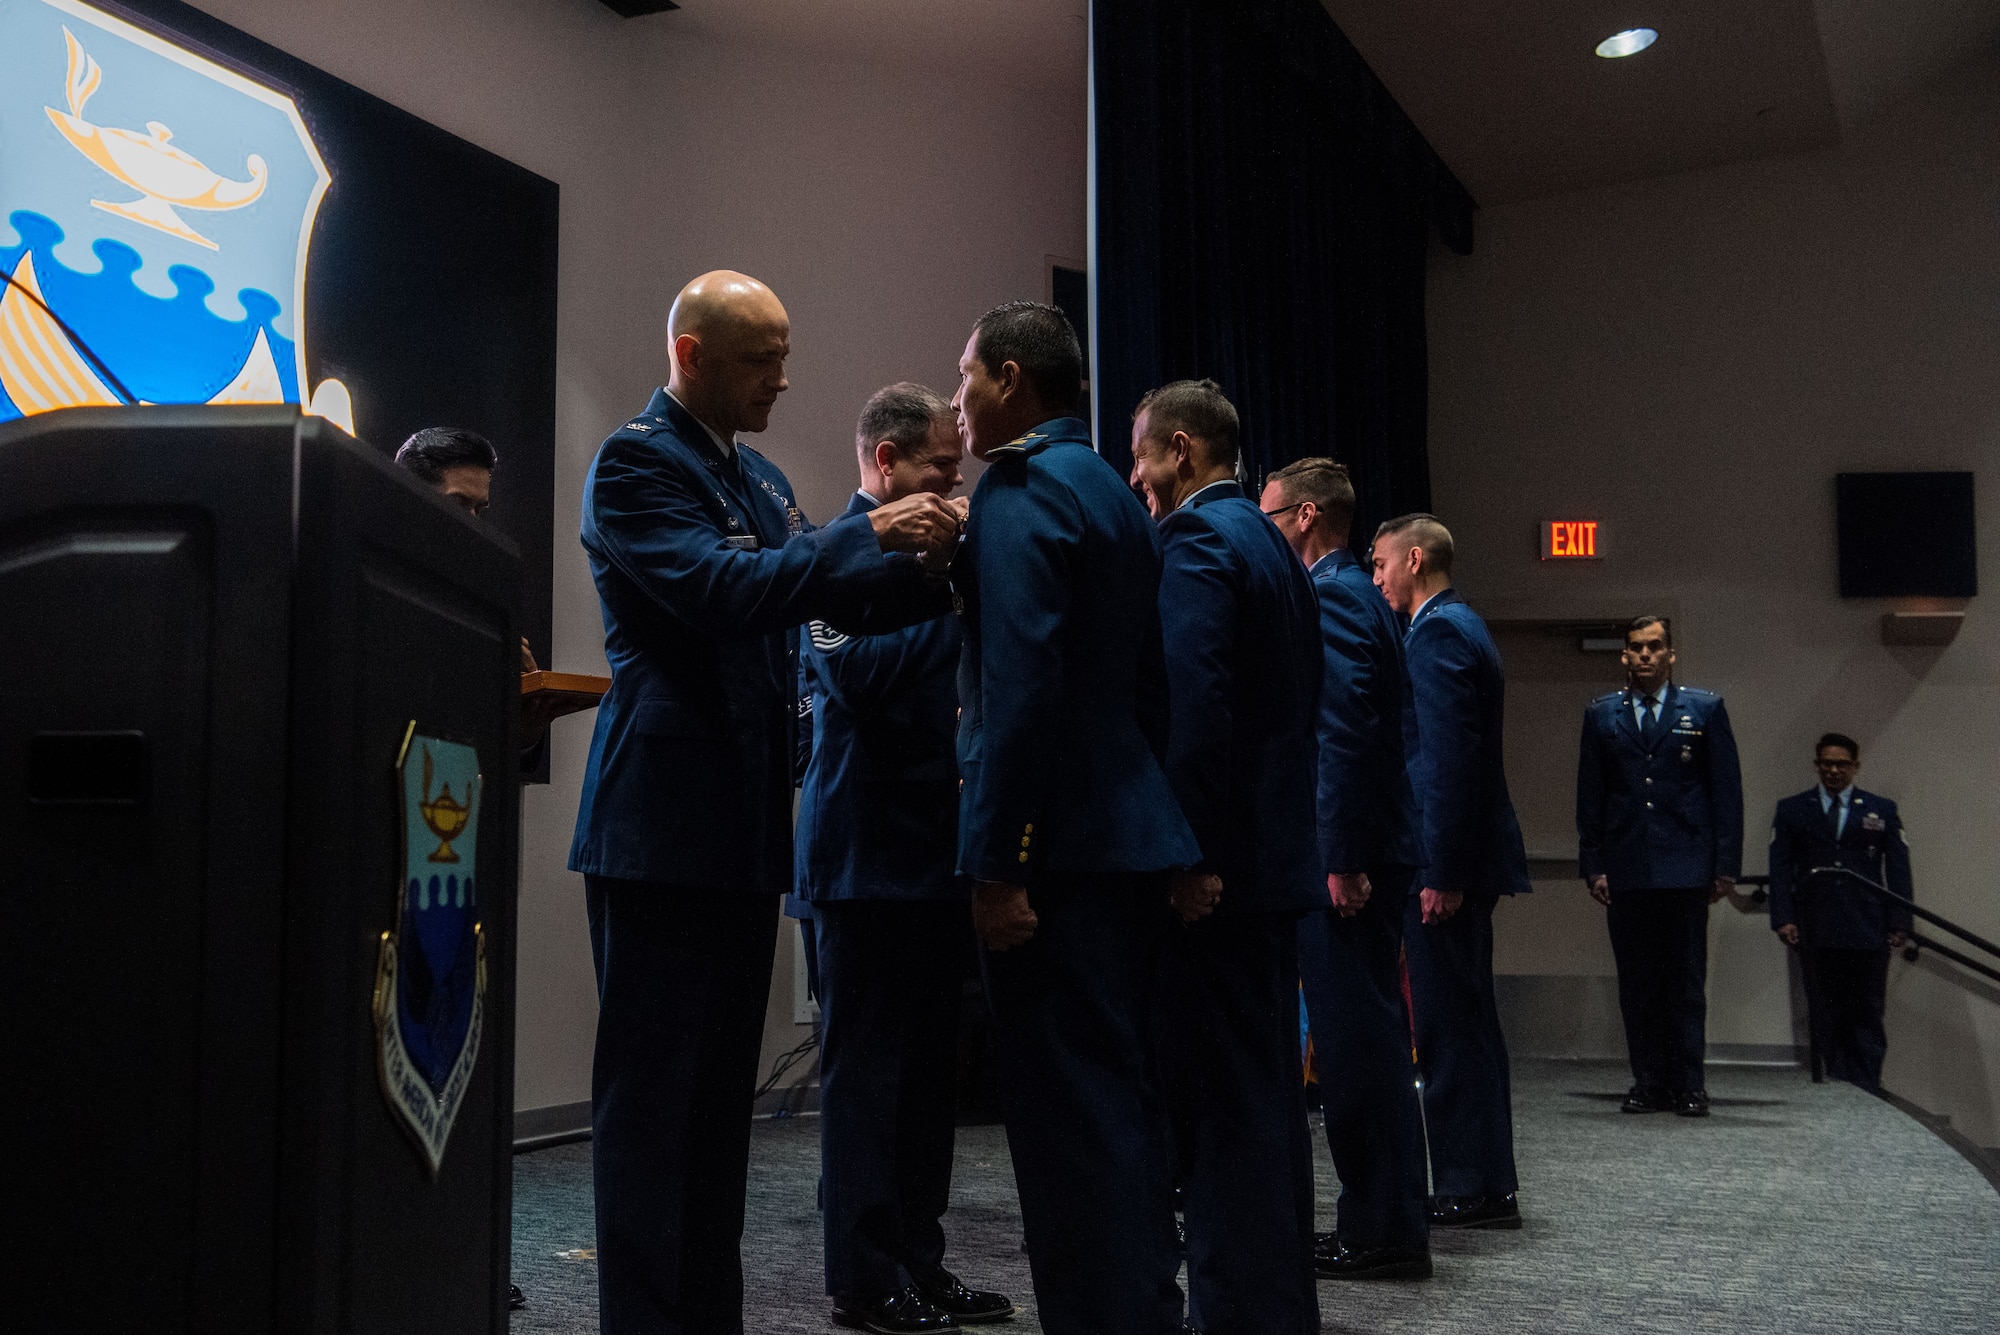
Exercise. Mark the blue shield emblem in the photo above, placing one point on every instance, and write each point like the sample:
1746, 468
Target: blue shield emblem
158, 205
430, 983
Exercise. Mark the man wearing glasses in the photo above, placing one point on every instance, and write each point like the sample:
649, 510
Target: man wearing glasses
1659, 822
1843, 930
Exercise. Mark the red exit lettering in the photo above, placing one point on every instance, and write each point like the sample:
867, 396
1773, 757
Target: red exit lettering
1570, 540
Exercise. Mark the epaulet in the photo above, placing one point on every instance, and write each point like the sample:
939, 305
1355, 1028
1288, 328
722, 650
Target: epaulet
642, 426
1607, 697
1016, 448
1696, 690
741, 448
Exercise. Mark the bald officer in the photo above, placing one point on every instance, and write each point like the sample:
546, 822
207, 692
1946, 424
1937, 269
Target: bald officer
1473, 855
703, 564
1067, 823
1243, 670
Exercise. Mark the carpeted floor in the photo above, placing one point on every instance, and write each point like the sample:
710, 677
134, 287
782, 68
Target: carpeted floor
1795, 1207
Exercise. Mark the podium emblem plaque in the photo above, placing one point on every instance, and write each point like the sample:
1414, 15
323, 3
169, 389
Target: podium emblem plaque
430, 981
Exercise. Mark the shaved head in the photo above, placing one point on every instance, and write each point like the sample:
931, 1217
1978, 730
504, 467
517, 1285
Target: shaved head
721, 302
728, 336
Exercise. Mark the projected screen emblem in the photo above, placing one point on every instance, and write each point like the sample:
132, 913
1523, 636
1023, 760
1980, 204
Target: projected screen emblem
161, 206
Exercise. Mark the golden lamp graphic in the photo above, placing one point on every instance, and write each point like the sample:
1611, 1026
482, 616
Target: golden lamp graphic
165, 177
445, 817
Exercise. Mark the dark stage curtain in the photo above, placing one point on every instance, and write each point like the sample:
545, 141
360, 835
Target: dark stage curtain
1264, 213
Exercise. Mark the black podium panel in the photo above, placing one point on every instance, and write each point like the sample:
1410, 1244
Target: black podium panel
218, 627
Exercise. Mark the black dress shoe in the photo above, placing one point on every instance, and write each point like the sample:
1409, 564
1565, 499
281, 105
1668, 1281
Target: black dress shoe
516, 1299
968, 1307
906, 1312
1331, 1260
1475, 1211
1694, 1103
1646, 1099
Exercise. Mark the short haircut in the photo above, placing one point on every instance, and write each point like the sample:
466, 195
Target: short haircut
1429, 533
431, 451
903, 413
1039, 340
1640, 623
1198, 407
1837, 739
1324, 483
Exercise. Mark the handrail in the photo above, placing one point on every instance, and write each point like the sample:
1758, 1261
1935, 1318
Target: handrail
1915, 909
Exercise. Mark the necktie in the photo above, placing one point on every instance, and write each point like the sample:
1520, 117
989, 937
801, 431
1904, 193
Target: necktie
1650, 713
1833, 810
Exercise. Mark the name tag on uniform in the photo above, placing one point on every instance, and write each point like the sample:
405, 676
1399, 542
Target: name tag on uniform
746, 542
1871, 821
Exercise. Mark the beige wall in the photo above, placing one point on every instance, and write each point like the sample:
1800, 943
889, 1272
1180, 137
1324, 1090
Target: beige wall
1690, 360
887, 205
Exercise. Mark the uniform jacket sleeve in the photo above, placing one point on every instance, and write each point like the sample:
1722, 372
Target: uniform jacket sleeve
1444, 687
862, 671
1725, 794
1784, 871
1589, 800
1350, 728
1032, 534
649, 523
1199, 602
1896, 857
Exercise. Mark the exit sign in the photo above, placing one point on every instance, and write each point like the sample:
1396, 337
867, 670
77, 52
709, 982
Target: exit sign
1572, 540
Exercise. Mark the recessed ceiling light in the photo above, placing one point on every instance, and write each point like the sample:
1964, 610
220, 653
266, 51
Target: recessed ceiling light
1628, 43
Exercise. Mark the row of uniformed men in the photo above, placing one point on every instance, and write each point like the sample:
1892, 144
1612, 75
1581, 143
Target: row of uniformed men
1188, 759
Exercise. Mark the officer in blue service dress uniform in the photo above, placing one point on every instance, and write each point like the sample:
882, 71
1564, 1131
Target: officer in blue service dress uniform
1067, 824
1243, 666
703, 565
1659, 823
877, 847
1843, 931
1350, 951
1472, 856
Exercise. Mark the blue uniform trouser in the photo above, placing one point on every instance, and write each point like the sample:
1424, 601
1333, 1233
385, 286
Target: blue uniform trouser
1468, 1097
1351, 969
683, 976
1660, 939
1845, 990
1071, 1046
1226, 1028
891, 982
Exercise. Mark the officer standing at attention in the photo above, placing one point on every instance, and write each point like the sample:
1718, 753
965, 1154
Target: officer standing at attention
1843, 931
1067, 823
703, 565
1243, 668
1659, 826
877, 846
1472, 855
1350, 950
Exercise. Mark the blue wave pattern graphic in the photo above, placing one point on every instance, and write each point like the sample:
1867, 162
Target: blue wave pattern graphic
166, 350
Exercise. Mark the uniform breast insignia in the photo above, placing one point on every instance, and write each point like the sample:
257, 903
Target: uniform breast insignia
1687, 753
430, 977
826, 639
1874, 823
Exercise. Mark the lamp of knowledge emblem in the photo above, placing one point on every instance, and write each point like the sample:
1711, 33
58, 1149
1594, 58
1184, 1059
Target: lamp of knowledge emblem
430, 982
159, 207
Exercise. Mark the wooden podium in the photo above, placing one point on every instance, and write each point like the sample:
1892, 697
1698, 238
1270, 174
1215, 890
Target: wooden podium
560, 693
270, 726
